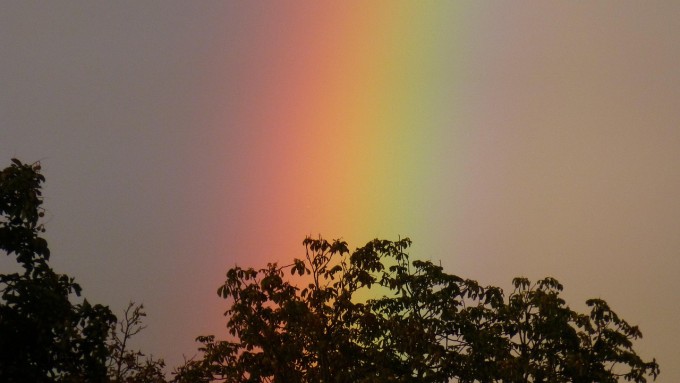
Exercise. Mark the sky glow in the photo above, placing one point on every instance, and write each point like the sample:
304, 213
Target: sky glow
179, 139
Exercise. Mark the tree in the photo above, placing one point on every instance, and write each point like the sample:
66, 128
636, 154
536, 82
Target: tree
550, 342
423, 325
44, 337
125, 364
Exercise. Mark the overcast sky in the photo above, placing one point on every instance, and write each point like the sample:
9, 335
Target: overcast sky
506, 139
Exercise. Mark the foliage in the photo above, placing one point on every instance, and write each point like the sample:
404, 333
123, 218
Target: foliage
424, 326
44, 337
309, 321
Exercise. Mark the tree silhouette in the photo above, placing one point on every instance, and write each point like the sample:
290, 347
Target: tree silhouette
310, 321
44, 337
125, 364
423, 325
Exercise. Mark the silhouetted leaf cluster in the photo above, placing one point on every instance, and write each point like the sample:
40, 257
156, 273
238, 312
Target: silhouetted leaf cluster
422, 325
44, 336
309, 321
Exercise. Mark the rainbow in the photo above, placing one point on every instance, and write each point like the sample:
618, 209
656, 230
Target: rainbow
342, 116
348, 120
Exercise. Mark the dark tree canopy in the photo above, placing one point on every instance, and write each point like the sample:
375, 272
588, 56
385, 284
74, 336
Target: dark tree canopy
309, 321
44, 337
423, 325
